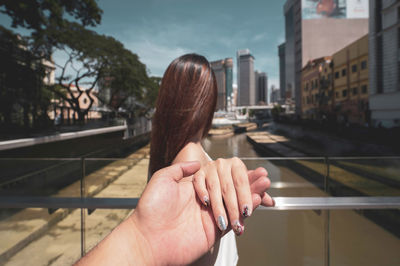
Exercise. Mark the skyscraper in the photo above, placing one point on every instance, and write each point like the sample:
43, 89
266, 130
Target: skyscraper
384, 63
223, 74
245, 78
315, 29
281, 53
261, 85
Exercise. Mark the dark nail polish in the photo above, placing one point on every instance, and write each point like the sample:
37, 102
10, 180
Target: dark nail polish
246, 211
238, 228
206, 201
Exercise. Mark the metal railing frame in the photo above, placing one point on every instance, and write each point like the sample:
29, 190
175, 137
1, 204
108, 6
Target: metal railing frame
282, 203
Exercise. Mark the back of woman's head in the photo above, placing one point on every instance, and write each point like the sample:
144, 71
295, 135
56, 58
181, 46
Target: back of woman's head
185, 106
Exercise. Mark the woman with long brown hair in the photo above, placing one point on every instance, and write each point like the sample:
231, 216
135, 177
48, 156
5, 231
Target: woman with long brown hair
184, 112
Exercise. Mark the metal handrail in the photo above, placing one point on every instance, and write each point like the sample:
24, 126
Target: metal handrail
242, 158
281, 203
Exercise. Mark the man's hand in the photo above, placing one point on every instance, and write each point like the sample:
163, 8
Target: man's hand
170, 224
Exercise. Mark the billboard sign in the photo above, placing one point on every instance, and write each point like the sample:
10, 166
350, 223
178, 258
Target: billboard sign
339, 9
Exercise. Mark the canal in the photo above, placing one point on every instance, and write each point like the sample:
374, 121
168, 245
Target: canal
301, 237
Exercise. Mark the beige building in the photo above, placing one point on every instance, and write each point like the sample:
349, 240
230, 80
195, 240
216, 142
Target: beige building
350, 72
64, 108
314, 29
315, 95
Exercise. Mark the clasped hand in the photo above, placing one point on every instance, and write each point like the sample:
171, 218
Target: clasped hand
178, 217
182, 218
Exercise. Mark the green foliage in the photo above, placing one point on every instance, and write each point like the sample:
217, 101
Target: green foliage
23, 96
44, 16
92, 58
276, 111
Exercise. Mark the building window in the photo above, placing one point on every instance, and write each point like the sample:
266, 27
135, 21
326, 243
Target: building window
343, 72
355, 91
364, 89
363, 65
337, 75
344, 93
316, 83
337, 94
354, 68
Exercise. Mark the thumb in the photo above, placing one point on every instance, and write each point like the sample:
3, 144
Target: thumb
180, 170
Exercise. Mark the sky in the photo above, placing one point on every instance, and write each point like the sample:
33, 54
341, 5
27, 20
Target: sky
162, 30
159, 31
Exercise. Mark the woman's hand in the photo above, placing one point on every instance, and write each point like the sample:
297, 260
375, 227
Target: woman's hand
232, 191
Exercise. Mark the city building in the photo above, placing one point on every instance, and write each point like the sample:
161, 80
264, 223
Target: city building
223, 73
234, 95
350, 74
275, 93
68, 113
315, 97
384, 63
245, 78
335, 88
314, 29
261, 84
282, 83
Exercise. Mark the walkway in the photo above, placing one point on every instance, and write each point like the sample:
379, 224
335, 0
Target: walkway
43, 239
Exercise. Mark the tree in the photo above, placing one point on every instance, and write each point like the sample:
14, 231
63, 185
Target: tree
22, 71
23, 94
93, 57
44, 16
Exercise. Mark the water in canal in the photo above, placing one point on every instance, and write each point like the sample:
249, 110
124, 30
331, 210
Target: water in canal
301, 237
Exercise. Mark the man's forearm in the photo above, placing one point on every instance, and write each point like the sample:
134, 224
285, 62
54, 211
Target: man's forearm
123, 246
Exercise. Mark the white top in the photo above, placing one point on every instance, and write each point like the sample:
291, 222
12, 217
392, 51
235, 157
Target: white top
227, 253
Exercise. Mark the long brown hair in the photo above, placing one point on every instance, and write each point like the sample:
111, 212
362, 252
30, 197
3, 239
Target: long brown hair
185, 106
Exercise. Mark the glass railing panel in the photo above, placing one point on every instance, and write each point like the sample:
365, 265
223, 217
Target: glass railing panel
364, 176
40, 177
367, 237
111, 178
295, 177
32, 236
283, 238
115, 178
100, 222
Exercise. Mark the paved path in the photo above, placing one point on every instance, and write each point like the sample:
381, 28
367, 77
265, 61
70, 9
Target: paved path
43, 239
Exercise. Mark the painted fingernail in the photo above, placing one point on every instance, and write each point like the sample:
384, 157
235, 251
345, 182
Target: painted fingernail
206, 201
221, 223
246, 211
238, 228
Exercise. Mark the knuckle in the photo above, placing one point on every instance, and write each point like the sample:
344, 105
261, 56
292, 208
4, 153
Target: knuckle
211, 185
219, 162
225, 189
237, 161
241, 182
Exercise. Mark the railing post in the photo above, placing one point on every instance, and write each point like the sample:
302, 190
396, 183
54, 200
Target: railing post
83, 250
327, 218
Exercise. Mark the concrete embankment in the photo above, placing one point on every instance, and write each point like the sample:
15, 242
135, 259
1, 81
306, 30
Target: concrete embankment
343, 181
228, 131
48, 236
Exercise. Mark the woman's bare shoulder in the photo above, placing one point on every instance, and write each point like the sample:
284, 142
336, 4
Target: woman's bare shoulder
191, 152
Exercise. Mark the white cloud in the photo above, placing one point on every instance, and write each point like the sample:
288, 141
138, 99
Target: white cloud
259, 37
156, 56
